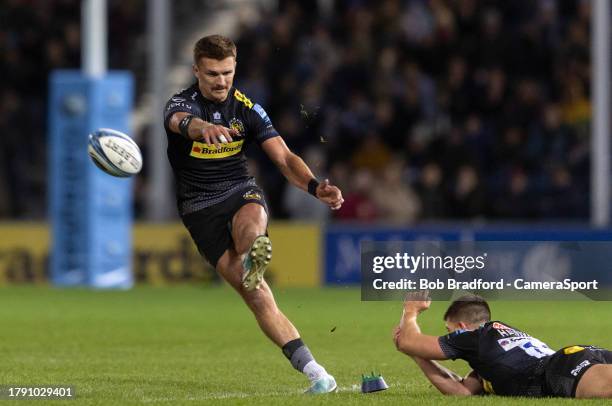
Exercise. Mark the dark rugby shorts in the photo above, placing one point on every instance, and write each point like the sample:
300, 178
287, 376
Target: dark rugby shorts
211, 228
565, 368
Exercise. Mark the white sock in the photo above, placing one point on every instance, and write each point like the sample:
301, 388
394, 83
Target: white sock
314, 371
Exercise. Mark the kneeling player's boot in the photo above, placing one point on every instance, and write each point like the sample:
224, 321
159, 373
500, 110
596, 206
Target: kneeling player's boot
322, 385
256, 262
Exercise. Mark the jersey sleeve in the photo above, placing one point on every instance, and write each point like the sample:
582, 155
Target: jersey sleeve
177, 104
459, 344
260, 124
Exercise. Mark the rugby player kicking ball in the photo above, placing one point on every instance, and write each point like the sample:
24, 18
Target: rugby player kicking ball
208, 126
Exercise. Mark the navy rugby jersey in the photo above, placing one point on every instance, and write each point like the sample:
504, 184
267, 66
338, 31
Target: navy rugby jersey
509, 361
205, 175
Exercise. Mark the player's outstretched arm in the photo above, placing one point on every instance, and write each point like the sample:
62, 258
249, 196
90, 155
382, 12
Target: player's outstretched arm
448, 382
299, 174
196, 129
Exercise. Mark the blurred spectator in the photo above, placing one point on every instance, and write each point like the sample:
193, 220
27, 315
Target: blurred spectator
372, 154
396, 202
563, 201
467, 195
431, 191
576, 108
487, 102
35, 38
358, 203
514, 202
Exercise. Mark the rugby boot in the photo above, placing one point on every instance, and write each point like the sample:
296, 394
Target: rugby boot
323, 385
256, 262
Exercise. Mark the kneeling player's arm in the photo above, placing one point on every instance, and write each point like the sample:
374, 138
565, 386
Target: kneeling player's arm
448, 382
411, 341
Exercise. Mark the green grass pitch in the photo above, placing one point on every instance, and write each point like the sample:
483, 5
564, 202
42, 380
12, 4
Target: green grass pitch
194, 345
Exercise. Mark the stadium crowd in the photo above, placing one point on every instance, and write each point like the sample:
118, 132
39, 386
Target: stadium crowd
37, 37
429, 109
417, 109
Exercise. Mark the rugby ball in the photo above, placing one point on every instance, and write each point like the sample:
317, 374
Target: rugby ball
114, 152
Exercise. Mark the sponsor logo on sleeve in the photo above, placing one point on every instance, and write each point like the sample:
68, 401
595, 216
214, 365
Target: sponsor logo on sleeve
262, 113
178, 104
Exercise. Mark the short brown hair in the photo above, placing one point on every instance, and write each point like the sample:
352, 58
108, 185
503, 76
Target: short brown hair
470, 309
214, 47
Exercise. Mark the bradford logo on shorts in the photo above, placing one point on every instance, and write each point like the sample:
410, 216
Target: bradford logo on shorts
580, 367
252, 195
236, 124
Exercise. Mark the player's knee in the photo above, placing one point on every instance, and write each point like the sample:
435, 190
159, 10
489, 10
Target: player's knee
250, 221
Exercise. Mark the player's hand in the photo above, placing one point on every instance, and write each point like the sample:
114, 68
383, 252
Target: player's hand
417, 302
217, 134
330, 195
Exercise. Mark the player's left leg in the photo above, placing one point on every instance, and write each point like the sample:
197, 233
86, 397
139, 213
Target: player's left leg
596, 382
249, 223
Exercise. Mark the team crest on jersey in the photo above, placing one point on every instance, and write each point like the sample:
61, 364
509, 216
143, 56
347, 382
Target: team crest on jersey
216, 116
236, 124
252, 195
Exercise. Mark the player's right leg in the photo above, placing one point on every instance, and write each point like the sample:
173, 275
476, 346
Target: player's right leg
579, 371
596, 382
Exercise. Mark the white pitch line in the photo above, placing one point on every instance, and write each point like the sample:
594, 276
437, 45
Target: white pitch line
240, 395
